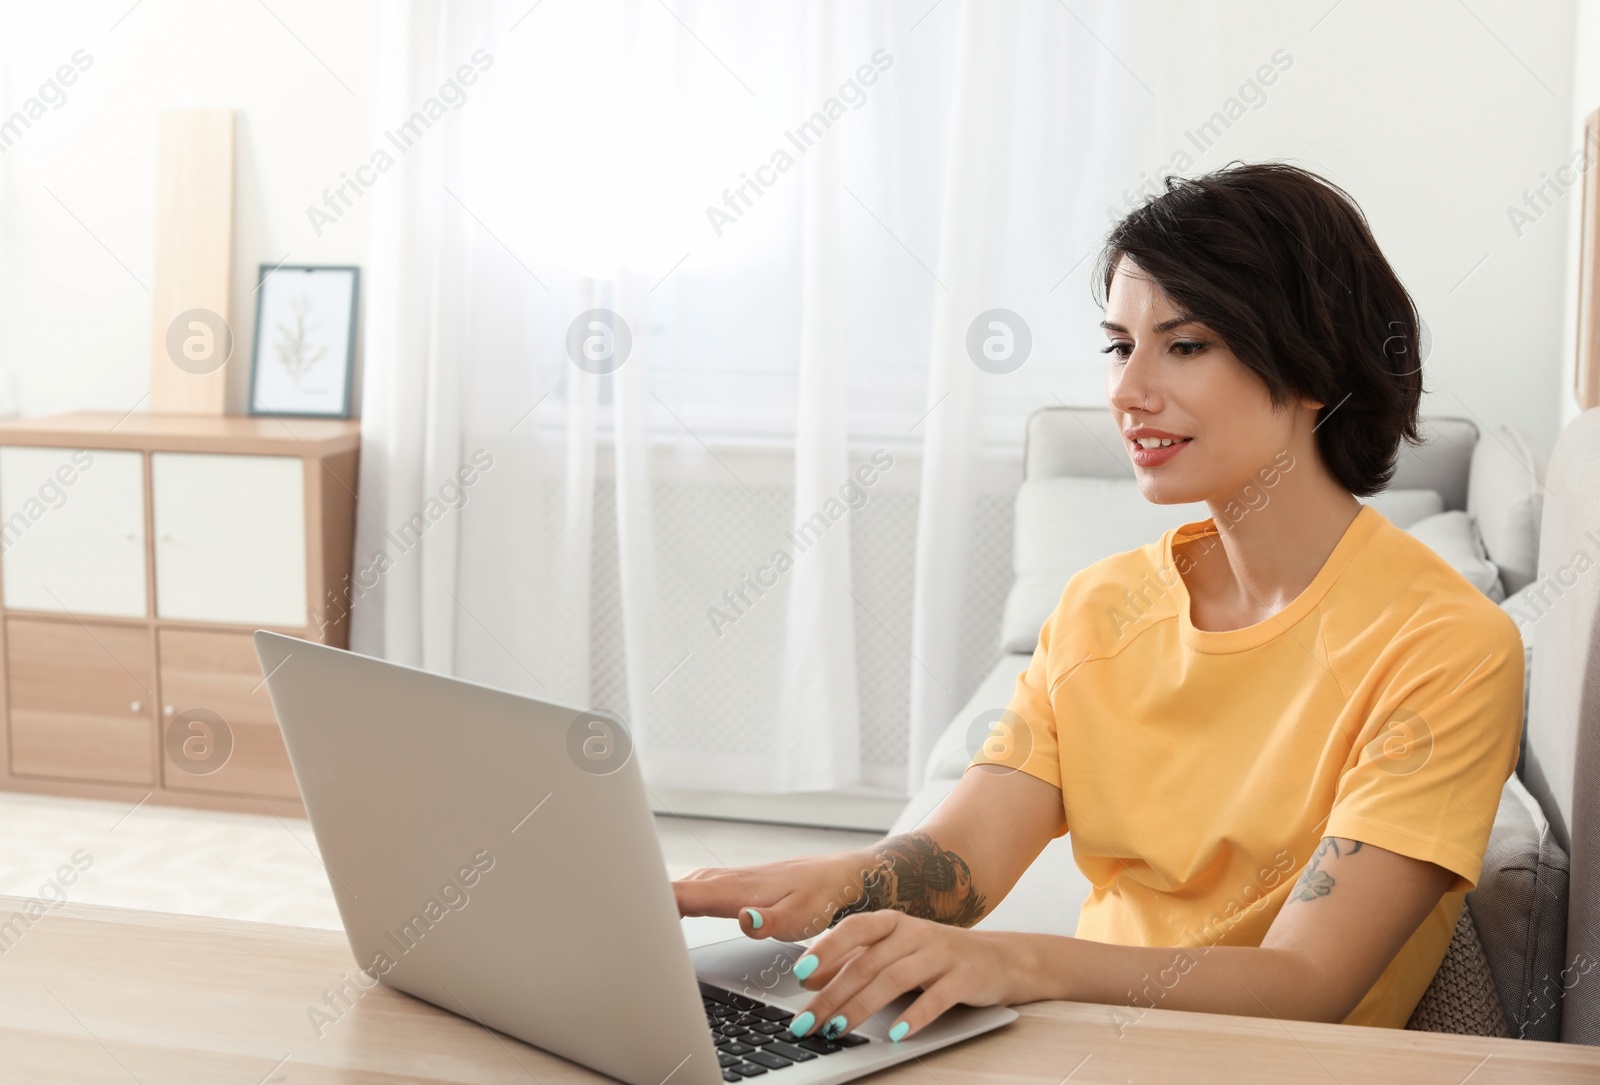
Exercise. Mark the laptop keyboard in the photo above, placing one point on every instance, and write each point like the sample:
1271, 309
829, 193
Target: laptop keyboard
752, 1037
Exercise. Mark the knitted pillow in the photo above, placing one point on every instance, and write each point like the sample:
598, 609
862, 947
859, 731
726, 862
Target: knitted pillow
1462, 998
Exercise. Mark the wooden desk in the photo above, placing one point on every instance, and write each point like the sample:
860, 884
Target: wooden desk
106, 995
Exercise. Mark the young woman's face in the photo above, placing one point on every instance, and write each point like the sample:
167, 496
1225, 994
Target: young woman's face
1174, 379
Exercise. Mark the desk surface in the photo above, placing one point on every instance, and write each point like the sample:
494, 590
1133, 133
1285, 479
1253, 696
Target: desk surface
106, 995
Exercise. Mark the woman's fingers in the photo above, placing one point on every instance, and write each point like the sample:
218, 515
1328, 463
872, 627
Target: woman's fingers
720, 893
797, 914
818, 974
854, 932
751, 898
875, 974
919, 970
846, 961
923, 1011
791, 900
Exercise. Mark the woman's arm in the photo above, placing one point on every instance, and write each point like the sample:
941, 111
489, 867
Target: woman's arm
1346, 918
968, 853
1351, 911
952, 869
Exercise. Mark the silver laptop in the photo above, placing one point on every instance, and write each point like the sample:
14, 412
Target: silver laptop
496, 856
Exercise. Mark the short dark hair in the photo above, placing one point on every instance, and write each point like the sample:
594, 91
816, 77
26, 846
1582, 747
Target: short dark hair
1281, 263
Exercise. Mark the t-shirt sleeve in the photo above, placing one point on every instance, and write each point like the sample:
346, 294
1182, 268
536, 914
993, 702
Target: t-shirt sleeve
1425, 774
1024, 735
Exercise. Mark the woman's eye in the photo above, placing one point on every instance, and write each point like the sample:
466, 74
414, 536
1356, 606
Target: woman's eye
1188, 347
1121, 350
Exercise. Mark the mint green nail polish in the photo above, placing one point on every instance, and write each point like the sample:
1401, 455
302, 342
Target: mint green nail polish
834, 1027
804, 967
755, 918
802, 1024
899, 1031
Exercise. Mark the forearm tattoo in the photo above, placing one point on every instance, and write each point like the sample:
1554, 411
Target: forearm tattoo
911, 873
1315, 882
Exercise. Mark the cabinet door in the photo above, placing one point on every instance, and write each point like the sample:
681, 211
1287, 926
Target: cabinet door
230, 538
81, 701
73, 530
219, 732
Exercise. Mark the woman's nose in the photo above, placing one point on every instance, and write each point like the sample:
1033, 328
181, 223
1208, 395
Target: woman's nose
1130, 386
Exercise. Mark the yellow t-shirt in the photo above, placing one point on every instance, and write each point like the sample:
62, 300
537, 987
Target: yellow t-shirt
1199, 769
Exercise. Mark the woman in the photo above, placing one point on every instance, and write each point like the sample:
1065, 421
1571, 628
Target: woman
1277, 736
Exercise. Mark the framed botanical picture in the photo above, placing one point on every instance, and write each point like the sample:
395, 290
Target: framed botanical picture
305, 341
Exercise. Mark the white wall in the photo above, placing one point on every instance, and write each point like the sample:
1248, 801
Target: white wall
77, 190
1436, 115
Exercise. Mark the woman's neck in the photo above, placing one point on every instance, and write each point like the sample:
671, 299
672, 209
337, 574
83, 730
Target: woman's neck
1271, 550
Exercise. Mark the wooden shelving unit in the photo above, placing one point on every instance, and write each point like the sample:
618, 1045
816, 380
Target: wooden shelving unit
137, 555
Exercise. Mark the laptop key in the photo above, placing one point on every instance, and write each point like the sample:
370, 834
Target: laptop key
769, 1060
732, 1075
750, 1069
758, 1038
771, 1027
815, 1043
771, 1013
726, 1060
851, 1039
789, 1051
734, 1047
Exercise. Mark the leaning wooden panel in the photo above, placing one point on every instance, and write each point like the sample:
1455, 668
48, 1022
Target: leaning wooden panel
333, 590
1586, 376
193, 263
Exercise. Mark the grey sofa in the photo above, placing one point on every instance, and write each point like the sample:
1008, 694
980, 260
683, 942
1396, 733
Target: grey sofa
1479, 499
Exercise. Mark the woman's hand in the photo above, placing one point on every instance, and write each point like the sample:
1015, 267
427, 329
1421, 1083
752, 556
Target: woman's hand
789, 900
871, 959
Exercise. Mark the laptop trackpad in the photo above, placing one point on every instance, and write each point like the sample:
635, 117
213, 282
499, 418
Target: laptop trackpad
758, 968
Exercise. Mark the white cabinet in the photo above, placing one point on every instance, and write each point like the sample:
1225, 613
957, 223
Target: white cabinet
72, 530
230, 538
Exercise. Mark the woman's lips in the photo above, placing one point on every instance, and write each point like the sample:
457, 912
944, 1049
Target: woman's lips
1155, 457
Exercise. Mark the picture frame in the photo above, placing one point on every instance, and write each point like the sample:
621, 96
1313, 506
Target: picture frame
303, 356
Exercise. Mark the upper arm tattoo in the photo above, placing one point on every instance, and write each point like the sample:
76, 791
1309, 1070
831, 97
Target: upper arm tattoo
1315, 882
913, 874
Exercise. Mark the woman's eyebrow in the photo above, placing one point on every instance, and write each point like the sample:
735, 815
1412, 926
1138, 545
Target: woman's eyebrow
1165, 325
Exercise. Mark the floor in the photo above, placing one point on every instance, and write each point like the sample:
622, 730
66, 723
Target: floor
263, 868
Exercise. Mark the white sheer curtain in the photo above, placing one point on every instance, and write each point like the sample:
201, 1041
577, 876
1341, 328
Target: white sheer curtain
797, 210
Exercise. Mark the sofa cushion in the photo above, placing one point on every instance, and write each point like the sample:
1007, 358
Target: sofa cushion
1454, 537
1441, 463
1520, 909
1523, 606
1064, 524
1506, 496
1402, 508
